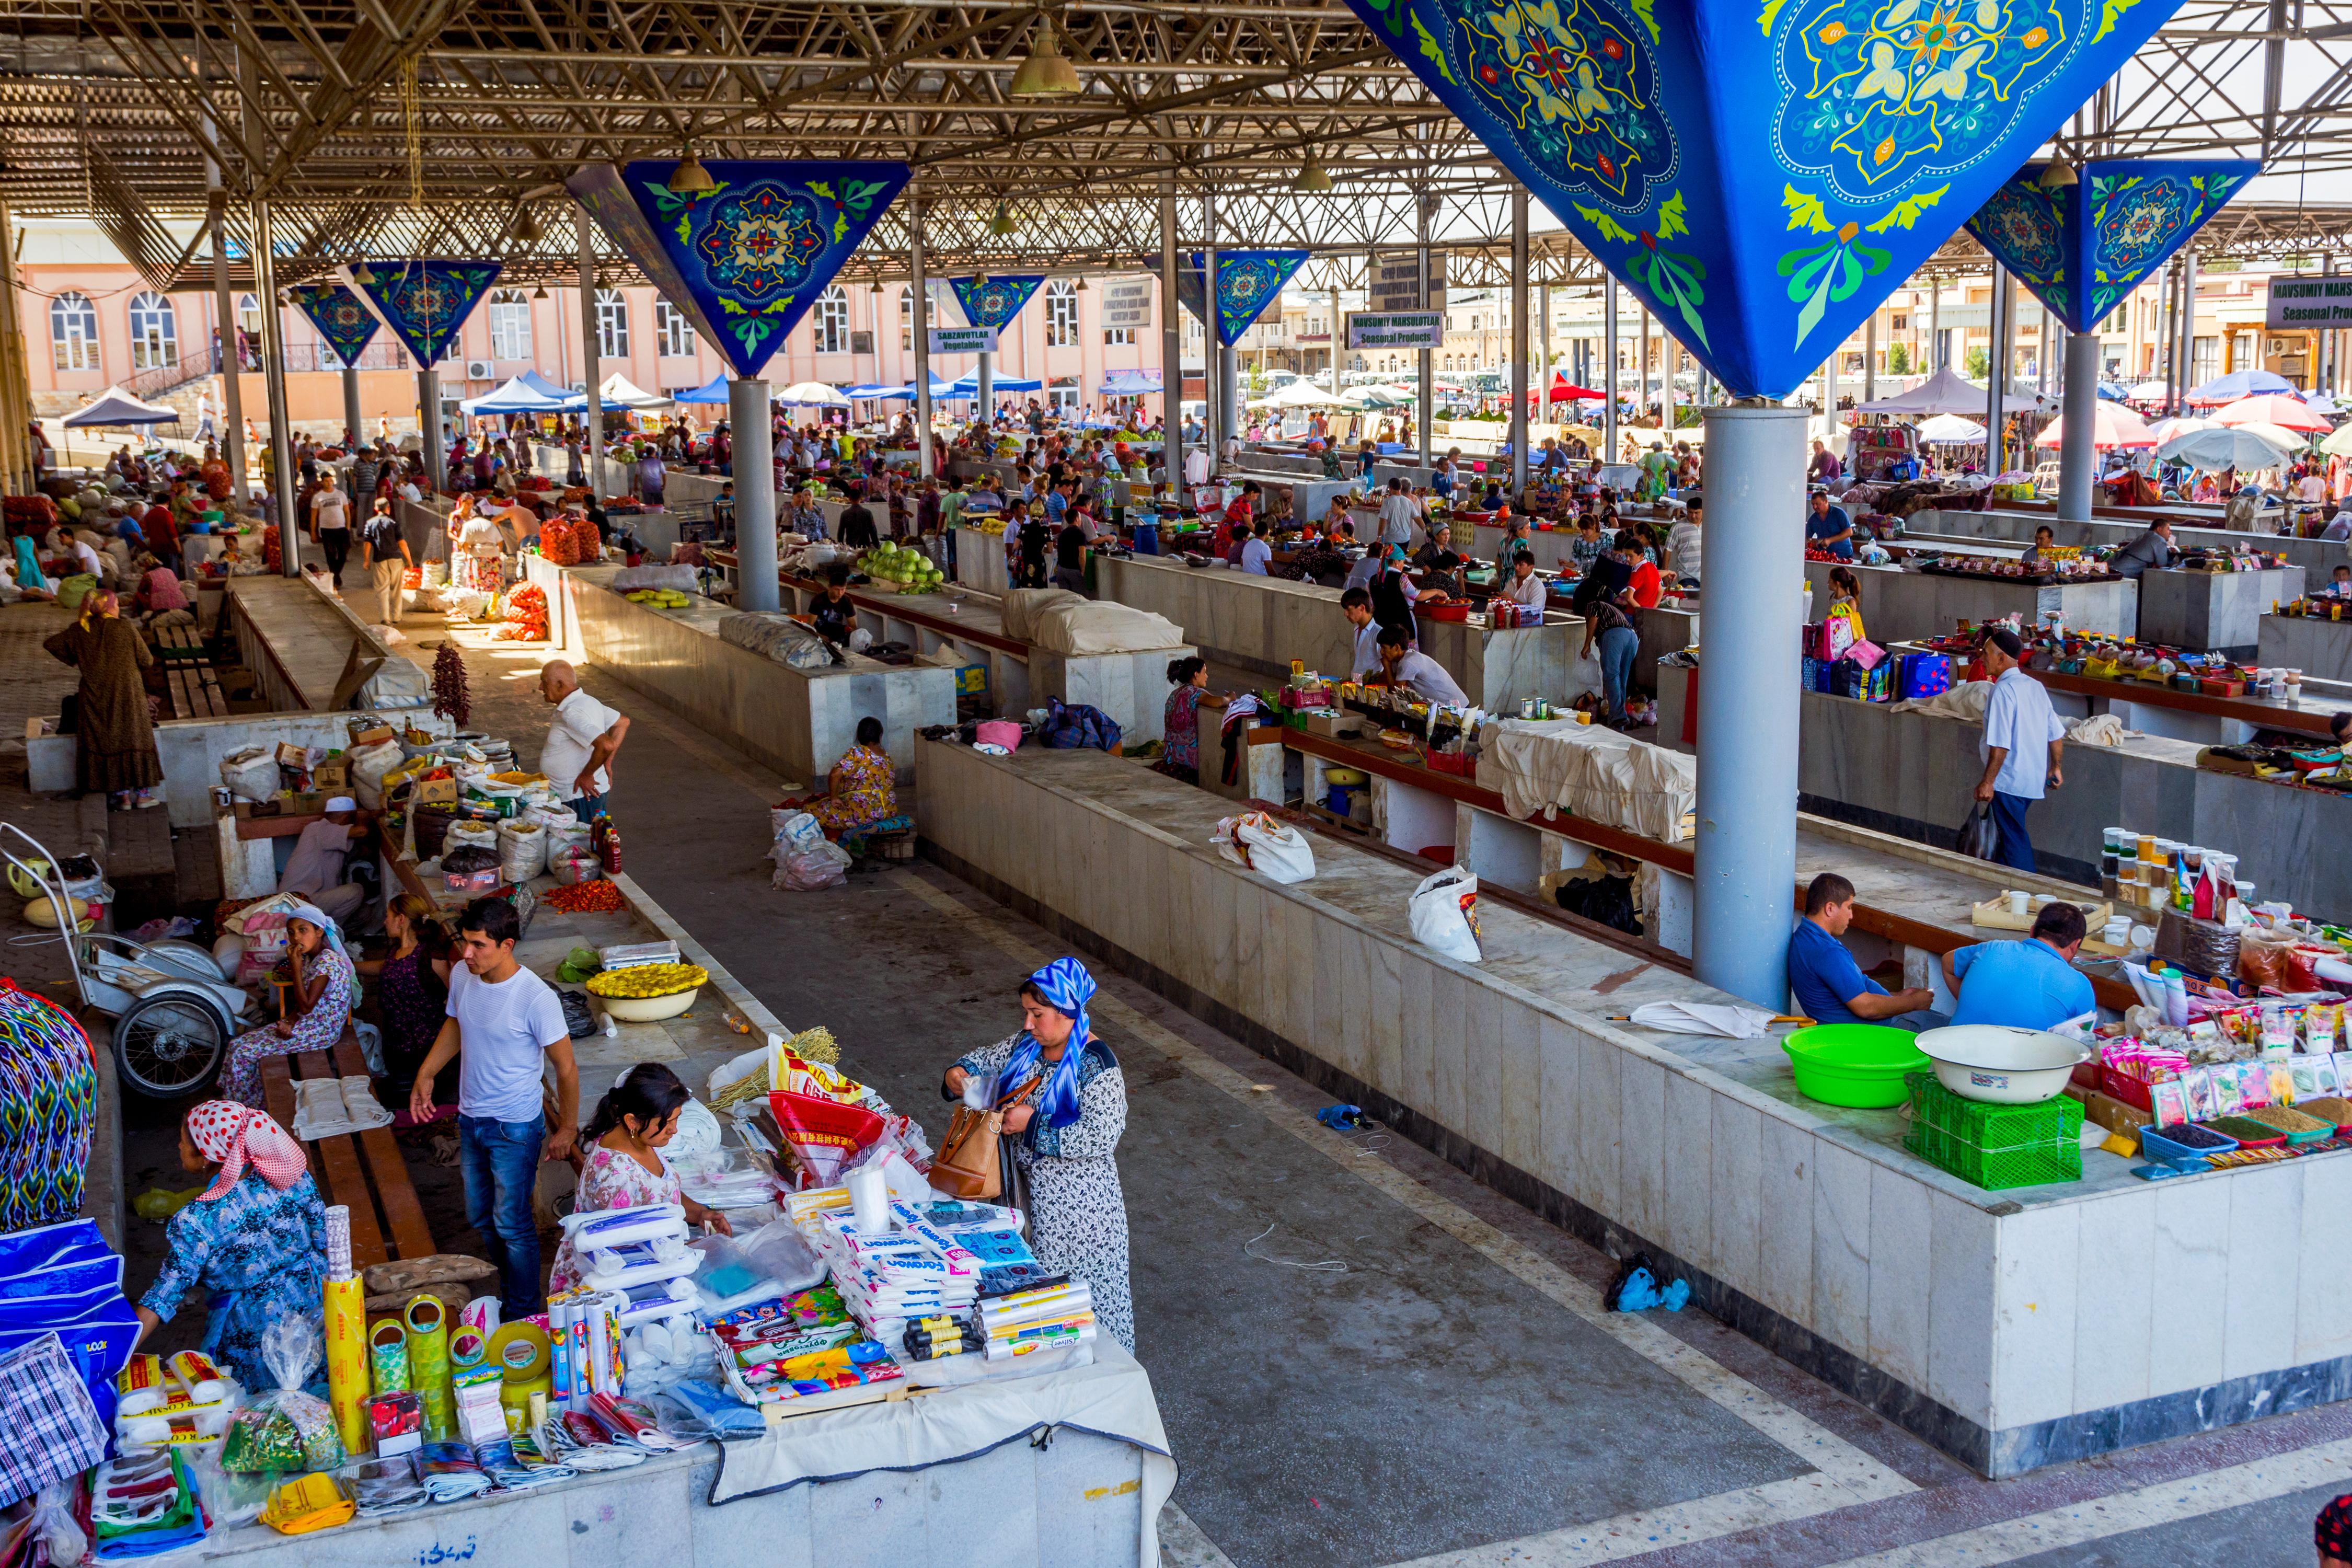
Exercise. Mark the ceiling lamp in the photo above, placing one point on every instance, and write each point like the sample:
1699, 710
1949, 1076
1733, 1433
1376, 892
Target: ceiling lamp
2056, 175
540, 292
980, 280
691, 178
362, 277
877, 286
526, 227
1081, 288
1046, 73
1311, 177
1002, 224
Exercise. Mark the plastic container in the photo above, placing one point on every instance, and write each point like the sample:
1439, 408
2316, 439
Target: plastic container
2250, 1133
1995, 1146
2299, 1128
1861, 1065
2154, 1145
2328, 1108
2002, 1066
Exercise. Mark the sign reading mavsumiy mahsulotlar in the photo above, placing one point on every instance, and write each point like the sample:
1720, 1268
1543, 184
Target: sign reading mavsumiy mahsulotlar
2309, 304
1396, 329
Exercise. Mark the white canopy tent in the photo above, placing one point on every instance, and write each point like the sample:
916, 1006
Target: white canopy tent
116, 406
1951, 430
1949, 391
620, 392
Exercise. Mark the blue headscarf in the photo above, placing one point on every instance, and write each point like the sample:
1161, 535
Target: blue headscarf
1067, 987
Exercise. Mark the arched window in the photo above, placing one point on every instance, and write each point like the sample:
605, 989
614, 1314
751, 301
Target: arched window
509, 324
833, 322
674, 331
73, 332
612, 324
249, 313
154, 332
1061, 313
907, 316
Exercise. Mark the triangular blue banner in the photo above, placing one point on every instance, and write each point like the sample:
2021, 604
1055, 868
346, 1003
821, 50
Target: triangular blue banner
746, 259
2081, 247
1761, 172
348, 325
991, 302
1247, 282
424, 303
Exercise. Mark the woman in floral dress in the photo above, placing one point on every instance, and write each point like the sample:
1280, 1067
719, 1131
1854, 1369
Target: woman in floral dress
323, 986
256, 1239
863, 786
1064, 1108
624, 1167
1180, 740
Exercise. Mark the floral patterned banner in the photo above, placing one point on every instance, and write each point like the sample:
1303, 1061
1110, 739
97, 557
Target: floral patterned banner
1761, 172
347, 324
1247, 282
746, 259
2082, 248
993, 301
424, 303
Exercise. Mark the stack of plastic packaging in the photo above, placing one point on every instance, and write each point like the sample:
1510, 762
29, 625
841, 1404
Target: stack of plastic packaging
884, 1278
143, 1506
775, 1362
64, 1279
185, 1402
1052, 1316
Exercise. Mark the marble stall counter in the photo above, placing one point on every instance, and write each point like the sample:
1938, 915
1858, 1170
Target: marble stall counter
2013, 1329
2213, 611
2321, 650
297, 641
1901, 606
1550, 547
1310, 496
979, 560
2319, 557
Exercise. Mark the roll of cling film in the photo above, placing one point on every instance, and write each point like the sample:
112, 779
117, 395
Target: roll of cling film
388, 1355
347, 1361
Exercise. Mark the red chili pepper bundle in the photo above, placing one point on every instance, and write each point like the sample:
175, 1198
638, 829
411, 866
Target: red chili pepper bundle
598, 896
450, 699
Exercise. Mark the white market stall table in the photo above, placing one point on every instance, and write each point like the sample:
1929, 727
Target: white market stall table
2213, 611
1311, 497
979, 560
1899, 605
2321, 650
299, 643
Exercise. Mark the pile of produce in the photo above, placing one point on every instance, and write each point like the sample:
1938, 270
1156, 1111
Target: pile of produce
29, 514
646, 979
578, 965
559, 542
271, 561
661, 599
525, 614
912, 570
449, 697
597, 897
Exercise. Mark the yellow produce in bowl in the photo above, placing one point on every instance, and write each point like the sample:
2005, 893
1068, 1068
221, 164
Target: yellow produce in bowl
647, 980
42, 913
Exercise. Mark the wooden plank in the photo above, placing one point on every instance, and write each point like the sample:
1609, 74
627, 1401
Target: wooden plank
345, 1180
277, 1097
403, 1216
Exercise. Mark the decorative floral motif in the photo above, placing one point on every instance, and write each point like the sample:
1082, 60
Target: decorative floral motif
346, 323
1882, 93
1575, 82
2026, 221
2080, 247
1247, 281
1831, 272
994, 302
424, 302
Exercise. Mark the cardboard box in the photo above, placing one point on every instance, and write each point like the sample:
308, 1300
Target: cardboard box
332, 776
291, 755
2108, 1110
375, 736
309, 804
1335, 725
433, 791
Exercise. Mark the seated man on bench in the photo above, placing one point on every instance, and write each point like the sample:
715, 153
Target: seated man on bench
316, 869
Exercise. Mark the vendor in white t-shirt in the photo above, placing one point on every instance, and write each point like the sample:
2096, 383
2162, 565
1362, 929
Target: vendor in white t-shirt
1526, 588
316, 867
1403, 665
580, 740
506, 1027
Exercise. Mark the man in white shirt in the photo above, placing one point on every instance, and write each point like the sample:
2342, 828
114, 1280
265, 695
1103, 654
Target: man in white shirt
580, 740
1257, 553
1525, 587
1683, 543
316, 867
1402, 664
331, 525
2022, 738
203, 417
1399, 512
506, 1026
1355, 604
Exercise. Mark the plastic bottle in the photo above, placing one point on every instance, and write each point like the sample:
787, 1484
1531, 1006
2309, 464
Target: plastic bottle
2175, 999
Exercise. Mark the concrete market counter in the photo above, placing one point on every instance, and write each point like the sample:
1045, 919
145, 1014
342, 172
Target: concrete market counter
2213, 611
979, 560
1311, 497
1552, 547
1901, 606
2321, 650
2319, 557
2012, 1328
301, 642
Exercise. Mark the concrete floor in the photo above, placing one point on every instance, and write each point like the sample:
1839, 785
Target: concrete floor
1362, 1356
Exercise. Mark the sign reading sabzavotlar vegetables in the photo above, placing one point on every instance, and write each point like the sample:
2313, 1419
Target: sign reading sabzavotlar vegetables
746, 259
1763, 173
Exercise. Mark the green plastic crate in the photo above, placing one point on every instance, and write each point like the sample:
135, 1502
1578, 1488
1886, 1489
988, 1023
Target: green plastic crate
1994, 1146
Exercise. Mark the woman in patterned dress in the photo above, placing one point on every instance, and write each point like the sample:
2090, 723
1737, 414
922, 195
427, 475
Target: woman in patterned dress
411, 985
321, 988
1181, 730
624, 1167
255, 1240
1064, 1108
863, 786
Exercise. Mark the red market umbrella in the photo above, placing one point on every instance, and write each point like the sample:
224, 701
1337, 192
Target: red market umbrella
2272, 408
1562, 389
2113, 426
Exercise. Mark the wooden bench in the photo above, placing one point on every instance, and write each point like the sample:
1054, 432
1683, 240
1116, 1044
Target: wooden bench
364, 1171
188, 675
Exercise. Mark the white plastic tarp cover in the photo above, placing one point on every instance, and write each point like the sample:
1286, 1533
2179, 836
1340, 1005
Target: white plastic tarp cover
1071, 625
1588, 772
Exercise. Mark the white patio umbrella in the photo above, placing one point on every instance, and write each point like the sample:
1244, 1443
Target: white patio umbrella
1298, 394
2165, 429
2339, 445
2293, 440
811, 394
1950, 430
2224, 446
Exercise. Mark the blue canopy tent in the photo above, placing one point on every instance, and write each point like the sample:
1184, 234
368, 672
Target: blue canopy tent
968, 386
1130, 383
711, 391
2237, 384
546, 388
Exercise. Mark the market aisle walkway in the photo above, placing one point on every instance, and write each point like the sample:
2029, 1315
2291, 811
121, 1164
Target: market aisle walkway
1362, 1356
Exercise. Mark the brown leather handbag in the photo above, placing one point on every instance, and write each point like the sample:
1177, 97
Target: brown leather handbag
969, 1162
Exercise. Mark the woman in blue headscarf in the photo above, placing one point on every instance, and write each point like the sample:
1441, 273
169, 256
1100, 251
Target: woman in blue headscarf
1064, 1106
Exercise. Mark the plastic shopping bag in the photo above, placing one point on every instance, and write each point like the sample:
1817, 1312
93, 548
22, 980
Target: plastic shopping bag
1275, 848
1979, 835
1444, 911
806, 868
286, 1429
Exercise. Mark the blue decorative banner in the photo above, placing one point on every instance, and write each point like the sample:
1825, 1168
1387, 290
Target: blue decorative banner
348, 325
1247, 282
424, 303
992, 303
2082, 248
1761, 172
746, 259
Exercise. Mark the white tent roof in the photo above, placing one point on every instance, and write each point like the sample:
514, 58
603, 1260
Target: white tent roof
620, 392
1950, 430
116, 406
1949, 391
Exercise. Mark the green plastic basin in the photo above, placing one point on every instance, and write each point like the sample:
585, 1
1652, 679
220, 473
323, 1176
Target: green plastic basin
1856, 1065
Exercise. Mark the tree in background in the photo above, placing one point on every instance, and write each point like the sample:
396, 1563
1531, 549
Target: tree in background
1898, 360
1978, 364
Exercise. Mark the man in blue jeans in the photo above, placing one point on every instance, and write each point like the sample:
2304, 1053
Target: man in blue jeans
2022, 738
504, 1025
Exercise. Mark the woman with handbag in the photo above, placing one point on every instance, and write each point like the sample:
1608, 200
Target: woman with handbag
1060, 1106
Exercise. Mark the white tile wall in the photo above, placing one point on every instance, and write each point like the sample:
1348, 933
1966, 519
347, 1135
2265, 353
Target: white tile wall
1689, 1167
2034, 1314
1735, 1249
1840, 1246
1597, 1133
1960, 1250
1640, 1144
2192, 1261
2259, 1300
2117, 1299
1519, 1082
1449, 997
2322, 1314
1902, 1271
1561, 1051
1785, 1280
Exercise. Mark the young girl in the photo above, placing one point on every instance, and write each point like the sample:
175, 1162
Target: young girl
321, 987
624, 1167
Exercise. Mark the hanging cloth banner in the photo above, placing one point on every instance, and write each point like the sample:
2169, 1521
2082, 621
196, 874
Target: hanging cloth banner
1761, 172
347, 324
1247, 282
2080, 247
993, 301
424, 303
746, 259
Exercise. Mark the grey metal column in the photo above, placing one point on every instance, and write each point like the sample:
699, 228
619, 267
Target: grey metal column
1337, 337
1746, 849
230, 363
428, 430
2188, 325
1171, 344
1666, 352
351, 404
1829, 398
1543, 321
1609, 368
273, 381
2007, 356
1870, 359
1519, 307
2168, 313
920, 334
588, 357
1642, 366
1935, 328
1213, 418
1423, 205
2080, 418
755, 502
1993, 376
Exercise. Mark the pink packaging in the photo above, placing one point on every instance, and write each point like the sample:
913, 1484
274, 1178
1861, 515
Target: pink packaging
998, 731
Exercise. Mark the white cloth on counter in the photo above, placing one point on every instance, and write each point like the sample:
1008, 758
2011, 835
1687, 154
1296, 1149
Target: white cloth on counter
1588, 772
1091, 627
1727, 1019
2098, 729
1966, 701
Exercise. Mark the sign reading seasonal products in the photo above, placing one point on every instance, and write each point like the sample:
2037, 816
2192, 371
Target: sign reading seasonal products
1127, 302
2309, 304
963, 340
1396, 329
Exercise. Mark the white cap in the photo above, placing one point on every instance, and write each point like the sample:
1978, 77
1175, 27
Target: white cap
342, 802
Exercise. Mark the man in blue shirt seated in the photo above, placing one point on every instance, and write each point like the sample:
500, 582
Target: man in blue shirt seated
1829, 527
1830, 987
2028, 984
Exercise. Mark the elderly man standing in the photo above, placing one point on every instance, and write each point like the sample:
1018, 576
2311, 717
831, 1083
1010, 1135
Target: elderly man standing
580, 740
2022, 738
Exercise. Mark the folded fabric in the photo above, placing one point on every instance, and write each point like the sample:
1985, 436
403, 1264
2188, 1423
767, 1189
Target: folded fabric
336, 1108
1727, 1019
383, 1487
451, 1472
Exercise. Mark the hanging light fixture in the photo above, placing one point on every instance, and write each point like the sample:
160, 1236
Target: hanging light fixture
1002, 224
540, 292
691, 178
1311, 176
1081, 288
362, 277
877, 286
2056, 175
1045, 72
980, 280
526, 227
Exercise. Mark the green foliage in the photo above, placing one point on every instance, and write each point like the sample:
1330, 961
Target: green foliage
1977, 363
1898, 359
